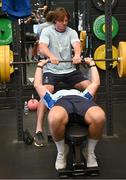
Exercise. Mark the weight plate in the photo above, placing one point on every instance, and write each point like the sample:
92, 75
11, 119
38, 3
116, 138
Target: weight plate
83, 39
11, 60
122, 62
100, 54
99, 27
5, 31
100, 4
0, 3
5, 63
2, 66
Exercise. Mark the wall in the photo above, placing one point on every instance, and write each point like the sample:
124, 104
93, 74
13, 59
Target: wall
119, 12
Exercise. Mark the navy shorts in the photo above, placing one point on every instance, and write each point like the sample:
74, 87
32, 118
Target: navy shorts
69, 78
75, 104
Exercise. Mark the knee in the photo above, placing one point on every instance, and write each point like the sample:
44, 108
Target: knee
95, 116
99, 117
56, 119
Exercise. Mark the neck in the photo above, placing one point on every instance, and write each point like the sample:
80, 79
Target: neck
60, 31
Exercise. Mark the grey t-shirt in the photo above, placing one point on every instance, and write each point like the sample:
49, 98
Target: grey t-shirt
60, 45
42, 26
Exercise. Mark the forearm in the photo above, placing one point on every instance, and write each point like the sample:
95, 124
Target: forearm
95, 79
40, 88
77, 49
43, 48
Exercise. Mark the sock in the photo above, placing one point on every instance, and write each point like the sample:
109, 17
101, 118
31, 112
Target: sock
91, 145
60, 146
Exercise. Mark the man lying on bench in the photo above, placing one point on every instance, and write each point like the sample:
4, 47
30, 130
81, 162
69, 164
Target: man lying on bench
65, 102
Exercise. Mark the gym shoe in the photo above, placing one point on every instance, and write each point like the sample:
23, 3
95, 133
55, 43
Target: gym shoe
39, 139
90, 158
61, 160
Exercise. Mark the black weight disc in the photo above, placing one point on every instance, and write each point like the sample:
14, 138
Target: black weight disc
100, 4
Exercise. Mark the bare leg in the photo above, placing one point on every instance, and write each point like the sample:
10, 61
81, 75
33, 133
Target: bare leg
82, 85
95, 118
58, 119
41, 111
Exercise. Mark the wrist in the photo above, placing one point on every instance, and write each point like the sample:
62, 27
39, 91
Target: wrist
92, 62
39, 66
93, 65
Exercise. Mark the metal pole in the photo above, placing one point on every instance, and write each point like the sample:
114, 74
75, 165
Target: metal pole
108, 42
18, 80
76, 14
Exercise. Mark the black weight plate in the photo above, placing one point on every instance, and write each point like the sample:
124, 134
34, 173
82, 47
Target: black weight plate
100, 4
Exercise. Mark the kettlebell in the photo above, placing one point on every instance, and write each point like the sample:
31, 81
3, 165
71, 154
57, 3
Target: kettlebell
33, 104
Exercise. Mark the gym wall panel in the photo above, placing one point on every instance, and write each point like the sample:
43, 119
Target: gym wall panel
119, 85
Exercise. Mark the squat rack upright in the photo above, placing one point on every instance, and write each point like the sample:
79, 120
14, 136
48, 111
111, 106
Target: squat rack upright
108, 43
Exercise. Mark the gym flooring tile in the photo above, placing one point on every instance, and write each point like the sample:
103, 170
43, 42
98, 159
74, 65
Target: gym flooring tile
21, 161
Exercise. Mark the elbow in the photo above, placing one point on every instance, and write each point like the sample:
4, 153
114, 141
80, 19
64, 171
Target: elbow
36, 86
97, 85
97, 82
38, 89
42, 47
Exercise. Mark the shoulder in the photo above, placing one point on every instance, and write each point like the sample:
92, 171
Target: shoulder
69, 29
45, 24
51, 26
49, 30
71, 32
48, 27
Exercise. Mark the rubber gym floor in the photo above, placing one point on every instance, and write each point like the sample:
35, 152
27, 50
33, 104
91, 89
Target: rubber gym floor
21, 161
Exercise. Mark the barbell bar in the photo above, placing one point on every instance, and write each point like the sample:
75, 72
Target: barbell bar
6, 63
60, 61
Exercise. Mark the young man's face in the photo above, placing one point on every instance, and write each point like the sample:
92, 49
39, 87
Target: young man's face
61, 24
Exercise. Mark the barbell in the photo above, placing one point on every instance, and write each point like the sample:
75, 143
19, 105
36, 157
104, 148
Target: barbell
7, 63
